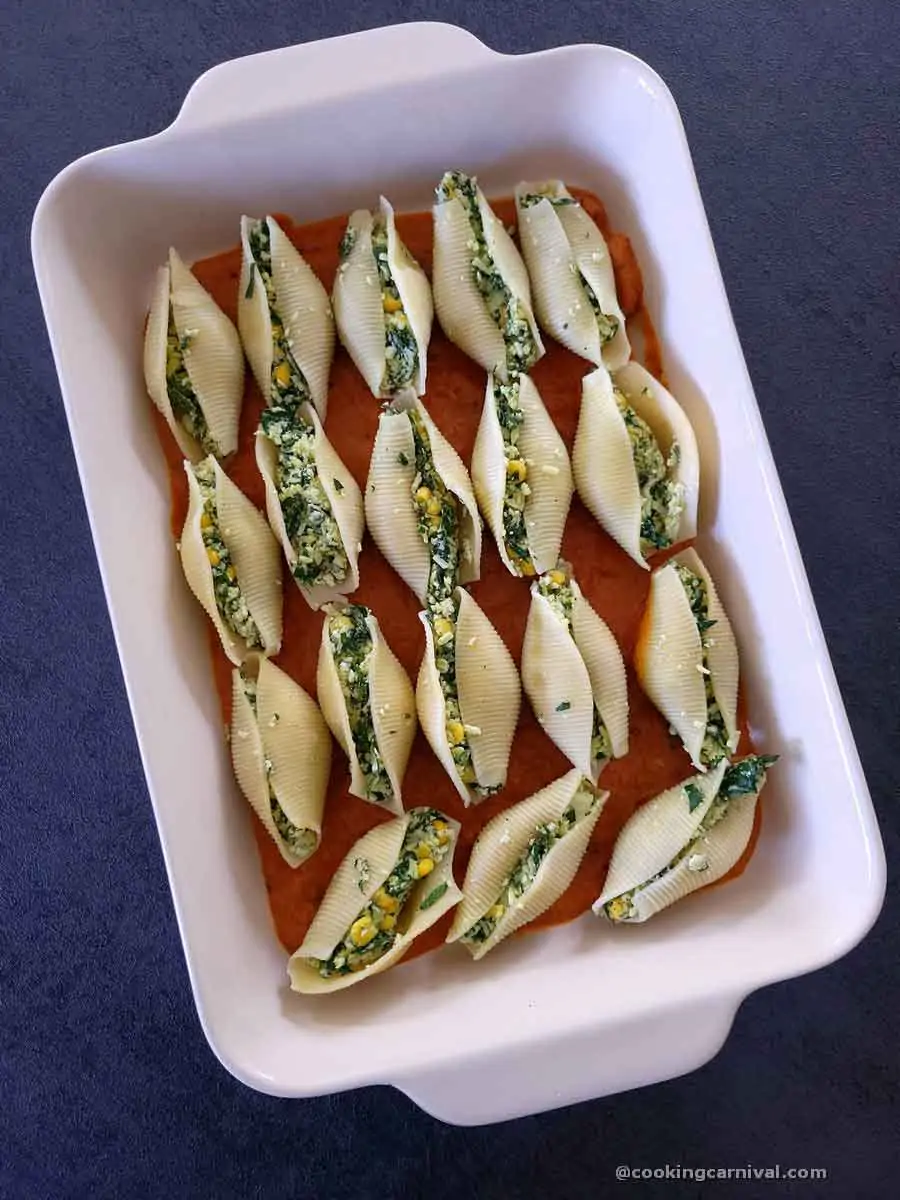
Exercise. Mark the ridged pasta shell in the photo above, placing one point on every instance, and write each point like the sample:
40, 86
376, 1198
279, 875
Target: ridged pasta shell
603, 461
489, 697
392, 705
348, 893
301, 303
500, 846
254, 554
656, 832
669, 656
560, 245
213, 359
549, 475
343, 495
287, 732
390, 509
357, 300
458, 303
710, 856
567, 674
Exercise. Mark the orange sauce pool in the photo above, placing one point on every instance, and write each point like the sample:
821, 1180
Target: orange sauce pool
615, 586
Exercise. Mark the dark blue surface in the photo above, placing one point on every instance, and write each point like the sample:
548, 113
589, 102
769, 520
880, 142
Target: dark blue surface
107, 1088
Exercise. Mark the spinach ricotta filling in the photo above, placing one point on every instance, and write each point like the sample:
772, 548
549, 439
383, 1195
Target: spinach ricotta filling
400, 348
376, 928
555, 586
310, 523
740, 779
437, 511
715, 739
506, 311
350, 642
180, 390
662, 498
524, 873
516, 489
288, 385
299, 842
607, 324
230, 599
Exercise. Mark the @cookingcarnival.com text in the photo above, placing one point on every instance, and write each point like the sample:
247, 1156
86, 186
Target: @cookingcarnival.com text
705, 1174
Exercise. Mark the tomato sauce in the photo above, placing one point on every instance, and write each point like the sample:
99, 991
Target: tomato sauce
614, 585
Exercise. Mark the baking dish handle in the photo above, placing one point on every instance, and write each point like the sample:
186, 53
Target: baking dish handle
278, 79
575, 1067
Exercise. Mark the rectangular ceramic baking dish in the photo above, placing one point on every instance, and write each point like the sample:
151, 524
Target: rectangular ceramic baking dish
583, 1010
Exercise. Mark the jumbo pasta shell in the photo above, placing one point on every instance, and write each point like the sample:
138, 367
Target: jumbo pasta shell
566, 674
500, 846
303, 307
459, 305
286, 732
349, 892
358, 301
561, 245
254, 554
489, 697
213, 359
669, 656
392, 708
344, 499
390, 510
549, 476
602, 457
656, 832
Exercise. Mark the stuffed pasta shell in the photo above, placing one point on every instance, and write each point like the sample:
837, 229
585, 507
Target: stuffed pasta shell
382, 304
573, 674
572, 277
521, 475
481, 291
524, 860
636, 462
231, 563
313, 503
684, 839
419, 504
193, 364
687, 660
467, 696
368, 702
396, 881
285, 320
281, 752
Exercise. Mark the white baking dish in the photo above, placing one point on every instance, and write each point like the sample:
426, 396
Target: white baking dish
583, 1010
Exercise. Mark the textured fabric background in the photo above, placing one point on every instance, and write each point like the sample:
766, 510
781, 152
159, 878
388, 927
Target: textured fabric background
107, 1087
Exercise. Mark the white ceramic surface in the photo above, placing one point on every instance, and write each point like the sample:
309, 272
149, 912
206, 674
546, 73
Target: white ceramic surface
580, 1011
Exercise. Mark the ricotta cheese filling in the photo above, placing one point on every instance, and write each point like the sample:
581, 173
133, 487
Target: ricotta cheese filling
288, 385
400, 347
230, 599
662, 498
556, 587
180, 390
516, 489
387, 915
350, 643
715, 738
506, 311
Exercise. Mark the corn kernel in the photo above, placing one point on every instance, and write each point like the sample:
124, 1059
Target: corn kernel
558, 577
456, 732
388, 922
516, 467
433, 507
231, 572
282, 374
496, 911
443, 837
362, 931
205, 521
213, 556
391, 305
438, 825
617, 908
426, 866
467, 774
341, 621
423, 494
423, 850
526, 567
385, 901
442, 627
